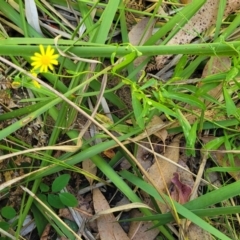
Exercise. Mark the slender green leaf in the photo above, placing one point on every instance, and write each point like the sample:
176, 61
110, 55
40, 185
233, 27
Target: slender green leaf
230, 106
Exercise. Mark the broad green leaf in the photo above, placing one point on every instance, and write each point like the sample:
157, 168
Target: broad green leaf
44, 187
55, 201
60, 182
8, 212
5, 226
68, 199
71, 224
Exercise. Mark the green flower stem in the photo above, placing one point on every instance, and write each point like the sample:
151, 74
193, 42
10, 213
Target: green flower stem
221, 48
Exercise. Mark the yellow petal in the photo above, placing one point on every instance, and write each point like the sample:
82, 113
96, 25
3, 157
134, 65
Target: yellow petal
34, 63
41, 49
45, 69
50, 66
48, 50
35, 59
36, 84
55, 62
38, 55
55, 56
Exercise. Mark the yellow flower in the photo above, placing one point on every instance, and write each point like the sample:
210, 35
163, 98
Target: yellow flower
34, 82
16, 85
44, 60
33, 73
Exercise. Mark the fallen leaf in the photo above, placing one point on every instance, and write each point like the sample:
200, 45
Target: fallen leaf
162, 176
181, 192
108, 227
196, 233
144, 157
140, 230
46, 232
216, 65
186, 177
162, 133
109, 153
139, 34
201, 21
90, 167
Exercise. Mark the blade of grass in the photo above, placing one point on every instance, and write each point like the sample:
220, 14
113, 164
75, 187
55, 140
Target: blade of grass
220, 16
211, 212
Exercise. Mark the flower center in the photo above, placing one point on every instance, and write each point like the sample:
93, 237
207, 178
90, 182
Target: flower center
45, 60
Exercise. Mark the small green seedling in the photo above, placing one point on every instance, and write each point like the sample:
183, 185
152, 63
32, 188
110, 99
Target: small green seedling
56, 198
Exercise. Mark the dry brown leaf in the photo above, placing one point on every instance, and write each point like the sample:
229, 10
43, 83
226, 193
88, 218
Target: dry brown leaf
139, 230
162, 176
197, 233
46, 232
216, 65
109, 153
186, 177
193, 231
136, 36
144, 157
65, 213
201, 21
181, 192
90, 167
162, 133
167, 169
108, 227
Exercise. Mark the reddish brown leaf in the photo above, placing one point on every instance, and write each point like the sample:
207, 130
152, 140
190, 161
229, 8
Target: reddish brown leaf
181, 192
